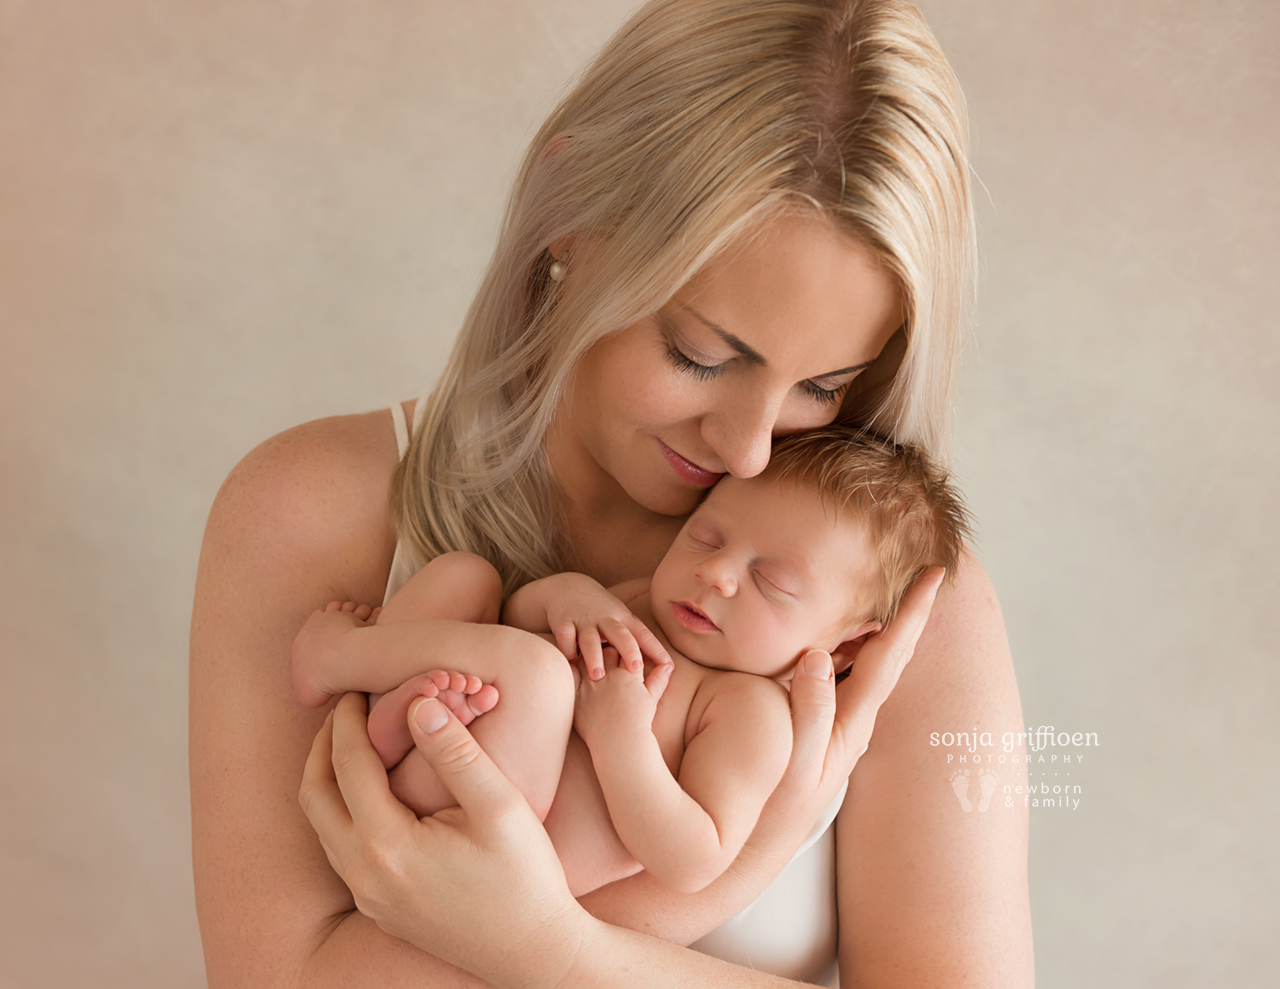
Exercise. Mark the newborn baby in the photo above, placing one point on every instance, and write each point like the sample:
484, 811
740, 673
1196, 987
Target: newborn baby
681, 726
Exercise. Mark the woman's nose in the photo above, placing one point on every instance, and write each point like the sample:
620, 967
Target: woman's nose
716, 571
742, 434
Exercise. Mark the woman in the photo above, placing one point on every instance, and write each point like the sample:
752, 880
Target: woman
747, 219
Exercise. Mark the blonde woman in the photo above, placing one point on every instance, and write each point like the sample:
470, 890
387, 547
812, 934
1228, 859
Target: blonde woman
749, 218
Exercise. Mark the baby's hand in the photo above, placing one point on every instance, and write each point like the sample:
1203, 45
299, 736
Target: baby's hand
584, 617
621, 703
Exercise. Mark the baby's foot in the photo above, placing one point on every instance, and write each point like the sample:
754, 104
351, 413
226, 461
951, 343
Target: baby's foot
313, 655
464, 695
960, 783
987, 781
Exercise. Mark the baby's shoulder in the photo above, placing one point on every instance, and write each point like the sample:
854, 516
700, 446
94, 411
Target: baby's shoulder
744, 695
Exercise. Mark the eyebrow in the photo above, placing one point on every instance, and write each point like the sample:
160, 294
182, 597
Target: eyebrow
753, 355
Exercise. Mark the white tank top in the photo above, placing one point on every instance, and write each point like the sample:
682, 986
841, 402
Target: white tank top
790, 929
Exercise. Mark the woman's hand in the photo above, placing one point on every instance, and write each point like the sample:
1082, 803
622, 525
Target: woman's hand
832, 723
477, 885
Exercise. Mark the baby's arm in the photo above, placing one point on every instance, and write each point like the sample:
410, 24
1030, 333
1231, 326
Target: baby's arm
685, 832
584, 617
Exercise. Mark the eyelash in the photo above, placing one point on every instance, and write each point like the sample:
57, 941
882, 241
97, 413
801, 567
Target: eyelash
769, 587
706, 372
828, 396
683, 362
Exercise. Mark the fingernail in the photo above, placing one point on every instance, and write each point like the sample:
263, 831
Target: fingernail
817, 665
430, 715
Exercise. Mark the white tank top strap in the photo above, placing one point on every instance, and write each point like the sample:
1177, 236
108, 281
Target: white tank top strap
402, 429
403, 564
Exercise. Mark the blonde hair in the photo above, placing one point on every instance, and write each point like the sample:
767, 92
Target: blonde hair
698, 123
913, 516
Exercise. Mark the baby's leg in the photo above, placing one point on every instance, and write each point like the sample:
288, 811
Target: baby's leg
525, 734
345, 647
462, 587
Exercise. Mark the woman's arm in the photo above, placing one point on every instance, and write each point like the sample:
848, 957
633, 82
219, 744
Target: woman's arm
518, 925
929, 893
301, 521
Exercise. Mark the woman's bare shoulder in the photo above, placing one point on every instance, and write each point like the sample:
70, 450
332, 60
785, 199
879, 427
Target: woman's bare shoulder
342, 462
962, 661
318, 489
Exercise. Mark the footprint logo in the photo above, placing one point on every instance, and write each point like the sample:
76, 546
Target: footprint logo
960, 783
987, 783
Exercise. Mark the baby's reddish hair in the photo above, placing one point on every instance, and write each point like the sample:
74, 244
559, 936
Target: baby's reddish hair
913, 515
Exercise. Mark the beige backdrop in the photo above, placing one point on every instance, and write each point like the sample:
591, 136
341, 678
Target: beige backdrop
220, 219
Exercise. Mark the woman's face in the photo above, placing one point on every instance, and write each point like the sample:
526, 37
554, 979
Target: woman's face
761, 343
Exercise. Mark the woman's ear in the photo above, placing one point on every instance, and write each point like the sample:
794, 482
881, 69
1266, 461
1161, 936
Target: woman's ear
562, 247
844, 654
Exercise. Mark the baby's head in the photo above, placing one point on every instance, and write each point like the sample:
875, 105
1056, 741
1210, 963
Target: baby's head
816, 552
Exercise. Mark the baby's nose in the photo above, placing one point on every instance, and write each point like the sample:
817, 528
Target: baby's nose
718, 576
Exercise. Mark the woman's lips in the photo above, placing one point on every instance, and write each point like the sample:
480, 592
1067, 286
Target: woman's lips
691, 618
687, 470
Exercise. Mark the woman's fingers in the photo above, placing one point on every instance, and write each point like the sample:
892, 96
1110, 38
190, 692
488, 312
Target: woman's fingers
813, 709
358, 769
463, 767
322, 801
876, 669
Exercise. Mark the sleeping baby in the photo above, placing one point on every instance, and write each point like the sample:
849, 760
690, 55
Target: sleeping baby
658, 747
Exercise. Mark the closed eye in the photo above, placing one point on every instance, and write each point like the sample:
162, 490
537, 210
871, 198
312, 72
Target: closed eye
769, 587
825, 395
683, 362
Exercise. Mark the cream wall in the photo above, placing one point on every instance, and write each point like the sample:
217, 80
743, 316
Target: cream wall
220, 219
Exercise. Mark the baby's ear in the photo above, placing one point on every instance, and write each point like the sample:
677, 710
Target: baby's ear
844, 654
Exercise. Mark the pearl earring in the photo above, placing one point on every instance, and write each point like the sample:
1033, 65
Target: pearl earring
557, 271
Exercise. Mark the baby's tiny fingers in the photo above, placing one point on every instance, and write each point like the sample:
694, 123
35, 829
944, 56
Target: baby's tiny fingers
589, 646
621, 638
656, 682
649, 643
567, 640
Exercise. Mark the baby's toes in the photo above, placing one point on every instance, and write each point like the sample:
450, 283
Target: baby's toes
456, 702
440, 678
457, 682
483, 700
363, 612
